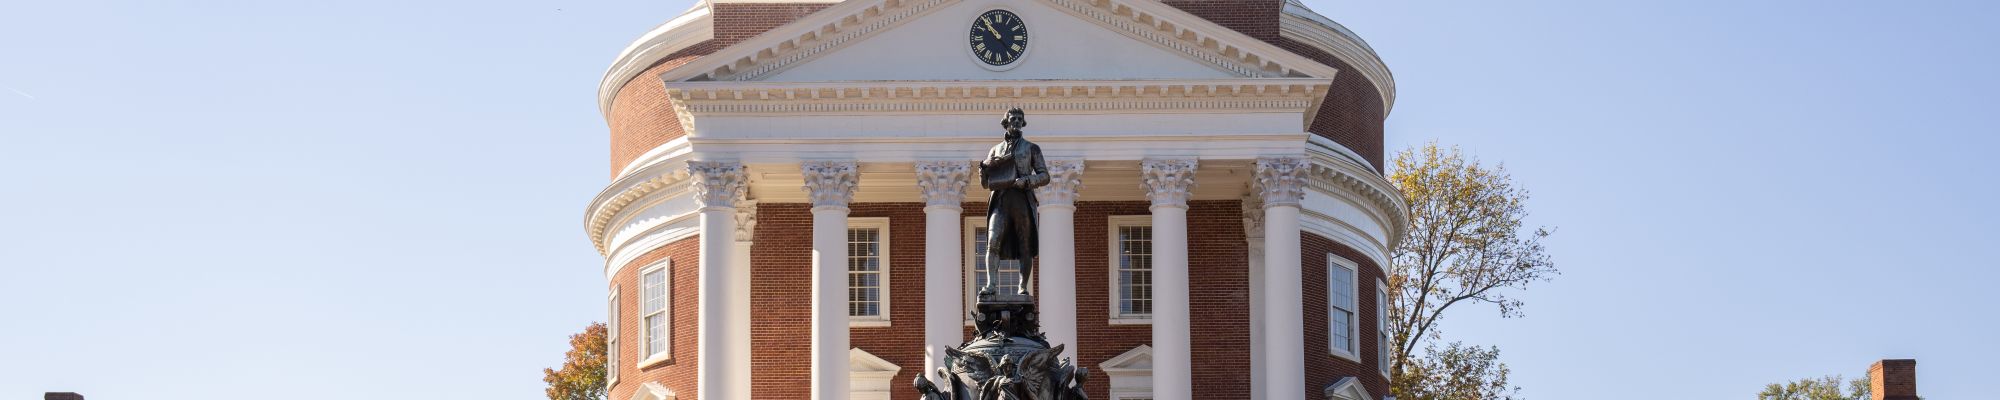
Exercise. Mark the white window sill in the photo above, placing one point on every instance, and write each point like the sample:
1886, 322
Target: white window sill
867, 323
657, 359
1346, 355
1131, 321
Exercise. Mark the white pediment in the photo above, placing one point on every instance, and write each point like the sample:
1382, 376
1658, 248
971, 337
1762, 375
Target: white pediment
1347, 388
925, 40
1060, 46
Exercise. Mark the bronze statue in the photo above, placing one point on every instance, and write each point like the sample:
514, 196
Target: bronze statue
1008, 358
1012, 170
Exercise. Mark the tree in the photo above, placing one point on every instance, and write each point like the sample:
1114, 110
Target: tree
1459, 372
1466, 245
1822, 388
582, 373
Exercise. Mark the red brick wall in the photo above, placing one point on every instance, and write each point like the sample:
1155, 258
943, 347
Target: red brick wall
641, 117
1257, 18
1352, 112
1322, 367
678, 373
735, 22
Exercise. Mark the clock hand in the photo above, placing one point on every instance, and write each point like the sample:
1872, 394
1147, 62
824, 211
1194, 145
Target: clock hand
989, 29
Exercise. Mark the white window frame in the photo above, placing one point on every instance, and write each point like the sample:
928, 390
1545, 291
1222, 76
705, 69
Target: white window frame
611, 344
666, 312
881, 225
1111, 239
1333, 265
1382, 350
970, 279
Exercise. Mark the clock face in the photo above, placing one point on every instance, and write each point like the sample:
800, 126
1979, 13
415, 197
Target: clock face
998, 38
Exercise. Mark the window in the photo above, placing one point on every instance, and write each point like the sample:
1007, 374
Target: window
975, 265
867, 271
1131, 269
611, 348
653, 288
1382, 327
1340, 289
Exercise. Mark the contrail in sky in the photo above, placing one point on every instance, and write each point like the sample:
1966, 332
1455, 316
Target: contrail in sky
23, 94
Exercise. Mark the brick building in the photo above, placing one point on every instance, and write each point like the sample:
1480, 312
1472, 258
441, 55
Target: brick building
790, 214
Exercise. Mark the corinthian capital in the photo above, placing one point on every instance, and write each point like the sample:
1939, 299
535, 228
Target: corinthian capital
717, 183
830, 183
1065, 177
1281, 180
943, 182
1168, 182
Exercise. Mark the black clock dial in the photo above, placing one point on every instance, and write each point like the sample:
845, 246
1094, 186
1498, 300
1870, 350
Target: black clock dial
998, 37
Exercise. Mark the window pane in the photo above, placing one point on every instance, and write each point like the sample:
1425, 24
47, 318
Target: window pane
656, 334
1010, 271
1342, 328
864, 272
1135, 271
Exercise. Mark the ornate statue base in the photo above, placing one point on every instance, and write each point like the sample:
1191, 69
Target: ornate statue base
1007, 359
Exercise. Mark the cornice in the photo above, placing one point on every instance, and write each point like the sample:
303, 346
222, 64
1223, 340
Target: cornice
1305, 26
1148, 20
690, 28
630, 188
782, 47
1195, 37
692, 99
1334, 172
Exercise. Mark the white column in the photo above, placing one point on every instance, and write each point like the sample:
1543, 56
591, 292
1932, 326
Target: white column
1253, 235
831, 185
1057, 291
1168, 184
746, 234
1281, 180
943, 185
716, 186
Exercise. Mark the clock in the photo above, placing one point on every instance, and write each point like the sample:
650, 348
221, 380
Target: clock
998, 38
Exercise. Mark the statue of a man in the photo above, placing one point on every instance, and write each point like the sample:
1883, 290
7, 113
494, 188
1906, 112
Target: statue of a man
1012, 170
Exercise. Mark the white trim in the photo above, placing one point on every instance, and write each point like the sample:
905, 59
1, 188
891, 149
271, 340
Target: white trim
1023, 58
1130, 373
666, 313
870, 377
653, 391
1348, 388
690, 28
881, 225
1354, 316
611, 334
1302, 25
1382, 339
1112, 223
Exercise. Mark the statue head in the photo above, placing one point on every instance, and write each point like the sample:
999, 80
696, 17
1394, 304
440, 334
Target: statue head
1014, 121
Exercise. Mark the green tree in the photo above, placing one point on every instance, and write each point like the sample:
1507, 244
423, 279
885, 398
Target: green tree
581, 376
1822, 388
1466, 245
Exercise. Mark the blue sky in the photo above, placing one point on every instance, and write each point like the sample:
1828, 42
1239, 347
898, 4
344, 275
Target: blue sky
382, 199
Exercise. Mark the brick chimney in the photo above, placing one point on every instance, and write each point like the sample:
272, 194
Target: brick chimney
1893, 379
61, 396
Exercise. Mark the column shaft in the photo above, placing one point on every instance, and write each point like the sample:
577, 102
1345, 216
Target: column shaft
1173, 347
1057, 291
720, 328
1281, 182
829, 308
944, 325
830, 185
716, 367
1169, 184
1284, 312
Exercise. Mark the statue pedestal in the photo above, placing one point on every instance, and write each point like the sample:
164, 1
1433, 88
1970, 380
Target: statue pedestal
1007, 359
